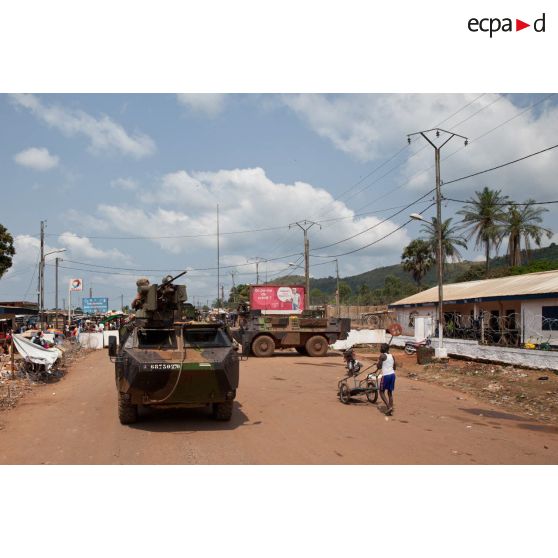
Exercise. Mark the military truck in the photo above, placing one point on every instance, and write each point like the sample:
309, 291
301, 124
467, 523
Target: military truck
167, 359
276, 320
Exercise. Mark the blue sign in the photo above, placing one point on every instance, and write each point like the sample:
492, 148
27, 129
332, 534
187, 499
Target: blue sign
96, 305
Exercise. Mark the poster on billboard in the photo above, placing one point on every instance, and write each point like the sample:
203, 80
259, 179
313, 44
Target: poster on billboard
95, 305
276, 299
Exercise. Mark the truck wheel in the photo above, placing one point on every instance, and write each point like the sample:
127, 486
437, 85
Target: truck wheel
127, 412
316, 346
223, 411
263, 346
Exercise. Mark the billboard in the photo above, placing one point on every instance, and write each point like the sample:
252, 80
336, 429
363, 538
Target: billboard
96, 305
276, 299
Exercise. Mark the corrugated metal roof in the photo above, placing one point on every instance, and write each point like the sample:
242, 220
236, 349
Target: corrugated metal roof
528, 285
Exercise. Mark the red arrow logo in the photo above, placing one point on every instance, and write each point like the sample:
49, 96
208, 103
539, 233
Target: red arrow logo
519, 25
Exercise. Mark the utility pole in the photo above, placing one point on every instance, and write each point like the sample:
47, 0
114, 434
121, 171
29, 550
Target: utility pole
441, 352
42, 276
222, 295
337, 293
257, 260
122, 303
90, 291
218, 265
56, 290
305, 226
233, 273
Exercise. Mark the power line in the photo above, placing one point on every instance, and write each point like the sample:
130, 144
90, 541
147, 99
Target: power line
376, 224
458, 111
501, 166
32, 277
371, 243
167, 236
531, 106
499, 98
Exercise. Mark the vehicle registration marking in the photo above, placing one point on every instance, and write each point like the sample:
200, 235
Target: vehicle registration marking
163, 366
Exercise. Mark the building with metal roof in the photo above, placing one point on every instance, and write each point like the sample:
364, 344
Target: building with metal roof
512, 310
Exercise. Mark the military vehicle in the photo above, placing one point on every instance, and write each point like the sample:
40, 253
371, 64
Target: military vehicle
167, 359
276, 320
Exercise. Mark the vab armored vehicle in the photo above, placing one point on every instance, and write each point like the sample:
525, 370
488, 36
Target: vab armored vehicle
167, 359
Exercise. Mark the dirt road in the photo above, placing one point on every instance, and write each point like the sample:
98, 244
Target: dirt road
287, 412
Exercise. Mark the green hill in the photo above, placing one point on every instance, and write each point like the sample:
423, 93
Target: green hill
371, 287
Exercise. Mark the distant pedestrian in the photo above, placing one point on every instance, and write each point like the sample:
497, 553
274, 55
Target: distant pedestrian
386, 363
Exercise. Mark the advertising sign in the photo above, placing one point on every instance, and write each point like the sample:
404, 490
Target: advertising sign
96, 305
76, 285
275, 299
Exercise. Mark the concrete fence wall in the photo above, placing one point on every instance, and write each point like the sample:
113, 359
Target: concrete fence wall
531, 358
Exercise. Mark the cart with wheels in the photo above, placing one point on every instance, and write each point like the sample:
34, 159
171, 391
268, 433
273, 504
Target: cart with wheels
354, 384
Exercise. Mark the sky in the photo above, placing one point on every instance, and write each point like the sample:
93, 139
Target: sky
129, 184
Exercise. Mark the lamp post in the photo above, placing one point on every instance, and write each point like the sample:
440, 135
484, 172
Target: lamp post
440, 351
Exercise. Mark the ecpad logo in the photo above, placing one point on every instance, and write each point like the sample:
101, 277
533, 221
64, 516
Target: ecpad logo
493, 25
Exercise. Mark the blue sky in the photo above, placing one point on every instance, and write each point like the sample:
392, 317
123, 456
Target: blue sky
156, 166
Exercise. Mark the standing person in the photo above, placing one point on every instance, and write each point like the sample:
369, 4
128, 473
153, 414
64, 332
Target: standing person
386, 363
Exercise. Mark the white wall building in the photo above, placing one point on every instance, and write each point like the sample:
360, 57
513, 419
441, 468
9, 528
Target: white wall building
509, 311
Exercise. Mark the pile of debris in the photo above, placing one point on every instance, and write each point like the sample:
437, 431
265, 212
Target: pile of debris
14, 384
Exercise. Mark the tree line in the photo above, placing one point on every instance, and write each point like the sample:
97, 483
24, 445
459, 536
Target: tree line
489, 219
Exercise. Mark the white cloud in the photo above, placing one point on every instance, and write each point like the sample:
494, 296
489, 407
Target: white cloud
210, 104
103, 133
181, 216
37, 158
80, 246
124, 184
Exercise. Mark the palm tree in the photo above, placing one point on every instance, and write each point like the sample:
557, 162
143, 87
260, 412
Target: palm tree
523, 222
417, 260
450, 240
484, 218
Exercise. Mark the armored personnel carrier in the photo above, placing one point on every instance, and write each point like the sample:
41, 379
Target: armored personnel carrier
167, 359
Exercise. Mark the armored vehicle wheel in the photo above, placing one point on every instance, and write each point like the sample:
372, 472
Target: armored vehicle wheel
223, 411
127, 412
316, 346
372, 396
344, 393
301, 350
263, 346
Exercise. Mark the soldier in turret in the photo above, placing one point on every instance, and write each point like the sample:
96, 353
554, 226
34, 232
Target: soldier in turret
142, 283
